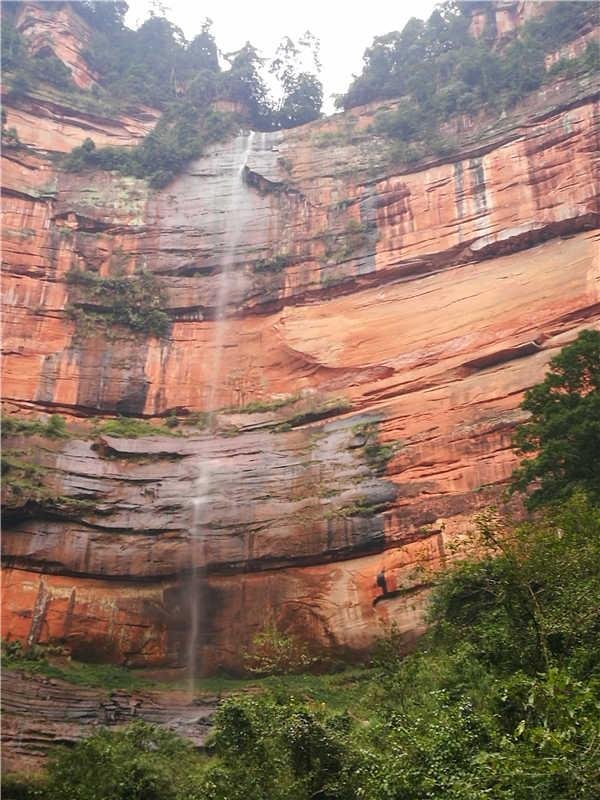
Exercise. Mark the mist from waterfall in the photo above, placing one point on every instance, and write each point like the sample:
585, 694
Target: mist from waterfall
236, 213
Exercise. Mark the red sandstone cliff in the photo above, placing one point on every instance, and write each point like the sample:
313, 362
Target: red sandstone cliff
427, 299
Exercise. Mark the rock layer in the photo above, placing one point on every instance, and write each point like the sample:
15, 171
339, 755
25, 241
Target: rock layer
39, 713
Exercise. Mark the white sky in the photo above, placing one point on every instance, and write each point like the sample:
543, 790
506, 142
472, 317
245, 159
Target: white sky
345, 29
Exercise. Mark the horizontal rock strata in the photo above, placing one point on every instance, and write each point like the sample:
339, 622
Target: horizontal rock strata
398, 313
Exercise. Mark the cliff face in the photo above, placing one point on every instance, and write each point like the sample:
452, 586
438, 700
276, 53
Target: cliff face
397, 313
58, 30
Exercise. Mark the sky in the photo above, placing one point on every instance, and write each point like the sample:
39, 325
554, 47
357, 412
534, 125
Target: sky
344, 29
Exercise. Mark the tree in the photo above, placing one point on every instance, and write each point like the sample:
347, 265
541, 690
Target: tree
202, 50
563, 434
140, 762
105, 15
243, 83
297, 68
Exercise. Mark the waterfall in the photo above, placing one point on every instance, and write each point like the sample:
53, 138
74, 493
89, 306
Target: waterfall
236, 215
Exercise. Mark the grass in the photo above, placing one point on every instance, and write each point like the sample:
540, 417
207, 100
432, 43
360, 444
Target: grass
133, 428
54, 427
338, 689
35, 662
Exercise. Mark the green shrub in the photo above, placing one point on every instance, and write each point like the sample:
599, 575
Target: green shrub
375, 454
21, 786
135, 301
179, 136
275, 264
274, 652
133, 428
55, 427
562, 437
436, 70
140, 762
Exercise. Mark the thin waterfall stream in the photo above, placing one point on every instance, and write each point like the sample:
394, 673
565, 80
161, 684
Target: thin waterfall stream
236, 214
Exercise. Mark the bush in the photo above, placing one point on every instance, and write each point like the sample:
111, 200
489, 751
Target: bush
55, 427
140, 762
437, 69
179, 136
136, 301
274, 652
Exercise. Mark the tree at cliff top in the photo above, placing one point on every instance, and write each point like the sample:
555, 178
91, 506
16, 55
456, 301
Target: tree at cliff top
563, 432
157, 66
439, 69
302, 92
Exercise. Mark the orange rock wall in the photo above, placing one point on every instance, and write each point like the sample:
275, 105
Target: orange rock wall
61, 31
409, 310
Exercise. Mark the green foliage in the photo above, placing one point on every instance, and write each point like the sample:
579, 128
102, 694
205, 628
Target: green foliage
531, 600
276, 264
460, 719
279, 751
38, 660
437, 69
179, 136
22, 786
376, 454
345, 244
564, 429
140, 762
274, 652
132, 428
54, 427
302, 91
359, 508
182, 79
22, 479
135, 301
25, 69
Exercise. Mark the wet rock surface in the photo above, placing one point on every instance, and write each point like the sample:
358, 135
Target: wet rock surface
402, 311
40, 713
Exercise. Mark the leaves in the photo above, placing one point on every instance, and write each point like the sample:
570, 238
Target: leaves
564, 428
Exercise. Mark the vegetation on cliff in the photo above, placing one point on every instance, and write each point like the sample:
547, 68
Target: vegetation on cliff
563, 433
437, 69
132, 301
500, 701
22, 69
156, 65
